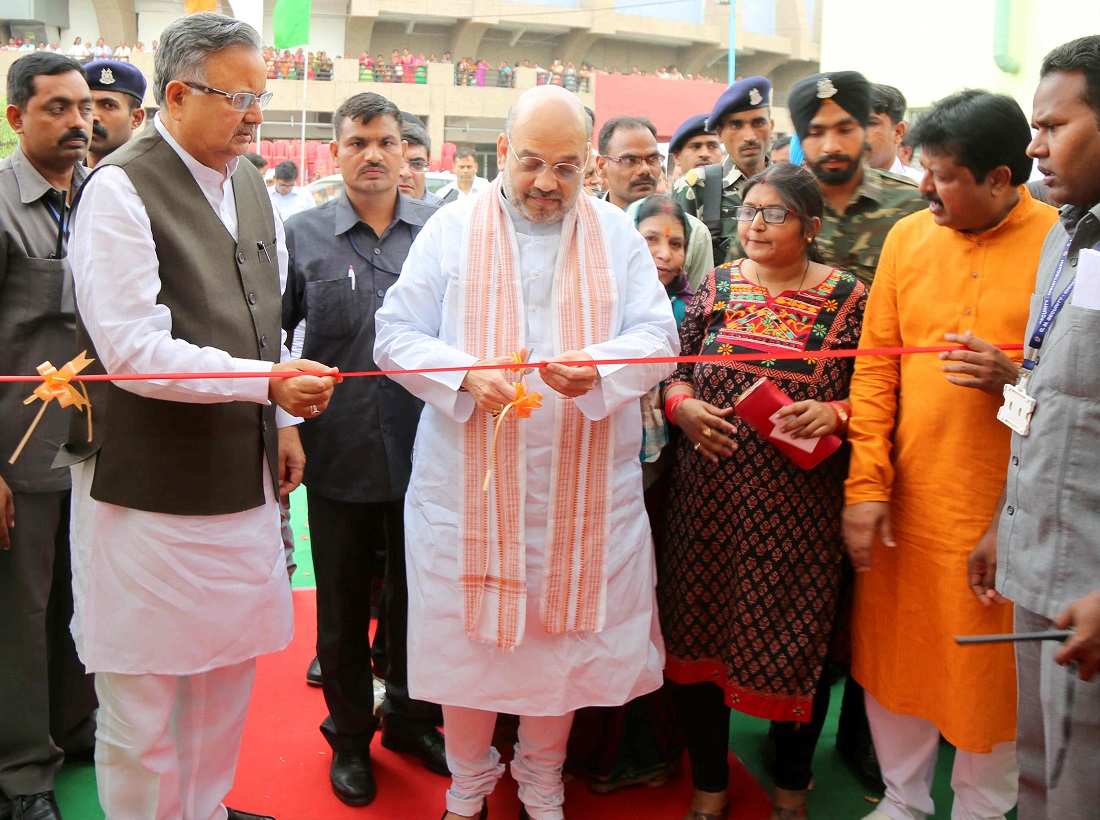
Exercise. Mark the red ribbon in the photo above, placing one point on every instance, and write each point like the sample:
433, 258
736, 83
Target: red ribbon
763, 355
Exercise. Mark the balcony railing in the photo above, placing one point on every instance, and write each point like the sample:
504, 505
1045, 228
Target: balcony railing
484, 77
392, 73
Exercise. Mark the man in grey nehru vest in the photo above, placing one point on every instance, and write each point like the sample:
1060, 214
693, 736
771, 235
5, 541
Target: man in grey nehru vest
179, 575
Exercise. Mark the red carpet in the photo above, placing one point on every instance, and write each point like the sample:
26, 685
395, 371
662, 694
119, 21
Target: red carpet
284, 761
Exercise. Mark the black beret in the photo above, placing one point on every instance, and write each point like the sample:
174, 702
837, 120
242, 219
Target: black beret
743, 95
691, 127
848, 89
115, 75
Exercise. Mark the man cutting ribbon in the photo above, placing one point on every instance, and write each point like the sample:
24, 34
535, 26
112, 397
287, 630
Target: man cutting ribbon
535, 598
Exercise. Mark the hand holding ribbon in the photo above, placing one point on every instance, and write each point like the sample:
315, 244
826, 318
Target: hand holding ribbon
57, 384
523, 404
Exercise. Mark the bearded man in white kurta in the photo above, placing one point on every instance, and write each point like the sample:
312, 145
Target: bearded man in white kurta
535, 597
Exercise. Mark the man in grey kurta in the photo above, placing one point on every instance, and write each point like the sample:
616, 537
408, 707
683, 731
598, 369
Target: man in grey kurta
46, 699
344, 256
1048, 550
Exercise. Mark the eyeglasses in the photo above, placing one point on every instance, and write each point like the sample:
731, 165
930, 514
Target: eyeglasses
563, 171
241, 101
630, 163
773, 214
420, 165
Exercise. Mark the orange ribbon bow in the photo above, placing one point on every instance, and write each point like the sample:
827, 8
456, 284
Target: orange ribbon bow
57, 384
523, 404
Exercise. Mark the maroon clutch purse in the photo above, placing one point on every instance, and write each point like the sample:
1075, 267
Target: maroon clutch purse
759, 405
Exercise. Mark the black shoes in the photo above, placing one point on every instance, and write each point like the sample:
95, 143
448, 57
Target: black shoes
42, 806
352, 779
427, 747
313, 674
243, 815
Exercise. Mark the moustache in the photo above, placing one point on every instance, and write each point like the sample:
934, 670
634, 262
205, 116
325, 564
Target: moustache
750, 144
75, 134
932, 199
646, 180
99, 131
835, 158
371, 166
245, 131
540, 194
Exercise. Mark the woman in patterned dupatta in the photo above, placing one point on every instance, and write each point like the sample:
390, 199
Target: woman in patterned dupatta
751, 560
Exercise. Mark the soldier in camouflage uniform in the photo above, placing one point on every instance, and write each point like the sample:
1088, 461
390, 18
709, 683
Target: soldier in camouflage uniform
830, 114
742, 120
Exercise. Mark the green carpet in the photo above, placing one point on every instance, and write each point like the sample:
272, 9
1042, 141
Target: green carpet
837, 795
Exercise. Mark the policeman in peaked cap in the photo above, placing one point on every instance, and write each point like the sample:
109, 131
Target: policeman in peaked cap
742, 120
117, 91
694, 145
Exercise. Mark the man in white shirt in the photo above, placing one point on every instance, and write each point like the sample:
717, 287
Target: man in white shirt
531, 588
467, 183
286, 196
179, 264
78, 50
886, 130
122, 52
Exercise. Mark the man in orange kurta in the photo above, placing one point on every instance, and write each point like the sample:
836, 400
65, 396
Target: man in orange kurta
928, 456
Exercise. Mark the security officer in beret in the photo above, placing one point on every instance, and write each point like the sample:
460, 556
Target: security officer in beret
694, 145
117, 91
830, 113
742, 120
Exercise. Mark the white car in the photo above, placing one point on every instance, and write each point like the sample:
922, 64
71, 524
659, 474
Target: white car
330, 187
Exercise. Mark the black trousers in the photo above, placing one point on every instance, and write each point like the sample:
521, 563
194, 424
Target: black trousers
345, 537
706, 719
47, 701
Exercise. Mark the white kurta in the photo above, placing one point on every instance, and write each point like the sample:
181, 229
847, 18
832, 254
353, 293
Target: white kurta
157, 593
418, 328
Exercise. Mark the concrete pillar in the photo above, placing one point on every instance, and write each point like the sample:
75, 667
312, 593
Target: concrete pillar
357, 36
467, 38
117, 21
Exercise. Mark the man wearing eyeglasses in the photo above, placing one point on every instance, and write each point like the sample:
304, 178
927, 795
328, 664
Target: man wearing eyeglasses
629, 160
344, 256
179, 575
418, 148
530, 559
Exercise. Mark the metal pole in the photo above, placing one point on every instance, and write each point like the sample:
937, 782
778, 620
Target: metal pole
731, 73
303, 174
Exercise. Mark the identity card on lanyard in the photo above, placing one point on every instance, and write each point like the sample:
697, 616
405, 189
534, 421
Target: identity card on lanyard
1018, 408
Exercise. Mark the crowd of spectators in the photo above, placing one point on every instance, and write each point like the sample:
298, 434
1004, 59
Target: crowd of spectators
82, 50
401, 67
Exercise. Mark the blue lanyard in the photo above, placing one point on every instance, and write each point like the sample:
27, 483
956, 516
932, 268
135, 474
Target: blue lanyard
1049, 311
367, 259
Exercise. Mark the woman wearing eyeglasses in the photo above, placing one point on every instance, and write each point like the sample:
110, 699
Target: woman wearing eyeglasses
751, 560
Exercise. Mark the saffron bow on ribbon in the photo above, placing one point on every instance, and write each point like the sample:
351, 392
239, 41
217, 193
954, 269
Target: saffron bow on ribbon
523, 404
57, 384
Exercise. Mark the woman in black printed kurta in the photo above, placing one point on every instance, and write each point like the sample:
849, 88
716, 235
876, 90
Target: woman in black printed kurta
750, 566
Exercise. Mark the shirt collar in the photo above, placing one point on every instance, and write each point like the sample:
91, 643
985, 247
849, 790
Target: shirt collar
1072, 215
32, 185
203, 174
405, 210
